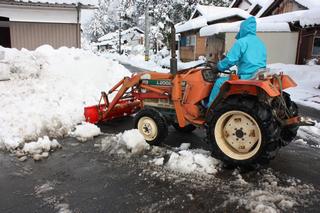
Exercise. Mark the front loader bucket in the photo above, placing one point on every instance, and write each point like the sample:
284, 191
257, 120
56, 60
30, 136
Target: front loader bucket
93, 113
99, 113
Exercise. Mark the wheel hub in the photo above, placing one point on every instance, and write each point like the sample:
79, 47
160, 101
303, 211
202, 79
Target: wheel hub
240, 133
148, 128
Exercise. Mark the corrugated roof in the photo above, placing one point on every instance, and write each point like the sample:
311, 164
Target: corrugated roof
85, 4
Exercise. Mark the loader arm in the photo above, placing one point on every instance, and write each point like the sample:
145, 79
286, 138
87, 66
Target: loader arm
126, 83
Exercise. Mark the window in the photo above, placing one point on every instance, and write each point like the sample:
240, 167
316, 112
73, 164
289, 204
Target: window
316, 46
188, 41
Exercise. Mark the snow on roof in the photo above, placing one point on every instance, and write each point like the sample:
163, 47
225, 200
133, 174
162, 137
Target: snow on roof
209, 14
265, 6
262, 26
192, 24
304, 17
213, 13
87, 2
113, 35
309, 3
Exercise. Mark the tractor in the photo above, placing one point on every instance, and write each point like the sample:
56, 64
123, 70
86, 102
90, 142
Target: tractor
247, 123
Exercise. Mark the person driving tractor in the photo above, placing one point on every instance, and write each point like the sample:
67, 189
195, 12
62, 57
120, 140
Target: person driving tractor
248, 53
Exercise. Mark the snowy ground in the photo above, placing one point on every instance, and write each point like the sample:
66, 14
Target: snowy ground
269, 193
47, 91
308, 79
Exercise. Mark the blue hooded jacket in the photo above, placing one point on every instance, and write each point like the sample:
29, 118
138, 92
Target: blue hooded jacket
248, 53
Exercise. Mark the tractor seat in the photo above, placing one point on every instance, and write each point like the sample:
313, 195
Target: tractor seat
261, 72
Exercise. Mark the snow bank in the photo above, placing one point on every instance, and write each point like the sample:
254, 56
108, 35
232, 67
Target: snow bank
307, 78
48, 90
85, 131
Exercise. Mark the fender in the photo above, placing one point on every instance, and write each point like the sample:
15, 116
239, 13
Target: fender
271, 86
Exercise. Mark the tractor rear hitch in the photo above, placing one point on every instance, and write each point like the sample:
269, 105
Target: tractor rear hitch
298, 121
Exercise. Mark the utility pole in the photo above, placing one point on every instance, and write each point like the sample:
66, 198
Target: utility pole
146, 33
119, 33
173, 59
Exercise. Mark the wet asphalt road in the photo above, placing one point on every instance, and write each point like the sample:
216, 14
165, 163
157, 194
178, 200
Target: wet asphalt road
81, 178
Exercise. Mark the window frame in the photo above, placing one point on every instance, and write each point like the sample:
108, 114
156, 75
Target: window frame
312, 51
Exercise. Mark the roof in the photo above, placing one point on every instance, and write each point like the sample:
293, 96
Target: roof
192, 24
209, 14
84, 4
213, 13
304, 17
309, 3
262, 26
114, 35
265, 4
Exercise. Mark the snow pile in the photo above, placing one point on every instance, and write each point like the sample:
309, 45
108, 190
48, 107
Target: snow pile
307, 78
130, 141
187, 161
85, 131
48, 91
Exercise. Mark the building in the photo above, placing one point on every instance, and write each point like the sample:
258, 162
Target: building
303, 17
129, 38
29, 24
192, 45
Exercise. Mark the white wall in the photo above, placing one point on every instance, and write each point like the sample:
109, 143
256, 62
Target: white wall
281, 46
38, 14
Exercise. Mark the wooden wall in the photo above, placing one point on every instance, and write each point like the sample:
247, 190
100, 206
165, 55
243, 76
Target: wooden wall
305, 46
287, 6
191, 53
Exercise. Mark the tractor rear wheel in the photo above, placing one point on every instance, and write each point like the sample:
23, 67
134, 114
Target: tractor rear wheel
242, 132
187, 129
152, 125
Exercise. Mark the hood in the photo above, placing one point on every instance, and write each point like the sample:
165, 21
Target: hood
247, 27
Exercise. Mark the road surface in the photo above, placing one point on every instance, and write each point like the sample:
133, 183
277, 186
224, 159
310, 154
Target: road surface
82, 178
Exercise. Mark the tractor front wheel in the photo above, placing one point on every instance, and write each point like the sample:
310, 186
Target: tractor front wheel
152, 125
243, 131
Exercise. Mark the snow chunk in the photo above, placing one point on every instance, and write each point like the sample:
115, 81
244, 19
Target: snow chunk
42, 145
191, 162
85, 131
134, 141
158, 161
185, 146
130, 141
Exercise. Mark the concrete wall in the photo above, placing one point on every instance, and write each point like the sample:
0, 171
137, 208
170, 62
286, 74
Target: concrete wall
32, 35
281, 46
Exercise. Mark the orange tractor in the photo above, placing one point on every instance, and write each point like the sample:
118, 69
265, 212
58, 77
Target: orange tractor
247, 123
